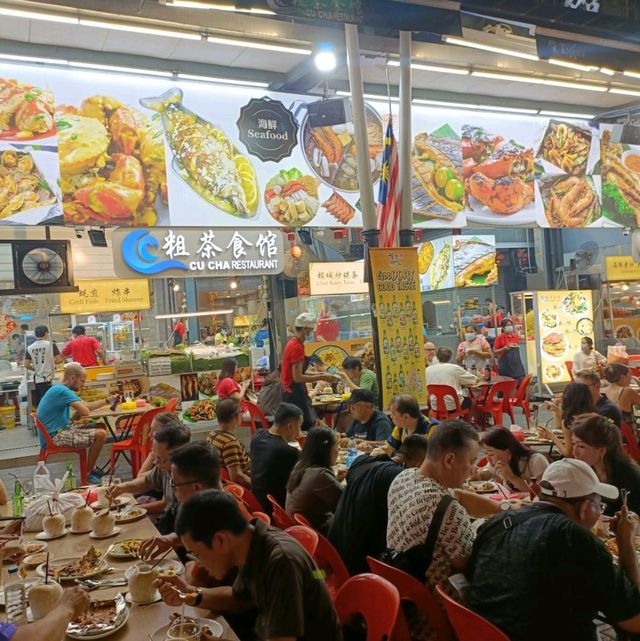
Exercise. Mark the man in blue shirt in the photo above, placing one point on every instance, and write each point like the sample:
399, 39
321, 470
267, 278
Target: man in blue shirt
369, 423
407, 420
54, 411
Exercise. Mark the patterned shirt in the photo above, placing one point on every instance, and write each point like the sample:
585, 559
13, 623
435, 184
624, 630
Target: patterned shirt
232, 451
413, 499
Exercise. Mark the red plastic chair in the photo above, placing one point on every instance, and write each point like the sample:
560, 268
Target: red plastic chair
302, 520
468, 625
307, 537
51, 448
263, 517
441, 392
631, 441
257, 419
147, 439
375, 599
279, 515
171, 404
494, 404
413, 591
250, 501
224, 475
521, 400
136, 444
331, 563
569, 366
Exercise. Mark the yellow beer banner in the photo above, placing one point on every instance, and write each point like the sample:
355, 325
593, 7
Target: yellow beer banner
122, 295
399, 313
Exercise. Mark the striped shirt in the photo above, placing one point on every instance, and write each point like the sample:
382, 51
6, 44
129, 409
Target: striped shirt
232, 451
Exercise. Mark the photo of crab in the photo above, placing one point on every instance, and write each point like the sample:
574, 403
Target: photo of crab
498, 177
112, 163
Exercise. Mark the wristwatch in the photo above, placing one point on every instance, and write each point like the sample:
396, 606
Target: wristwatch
198, 597
505, 505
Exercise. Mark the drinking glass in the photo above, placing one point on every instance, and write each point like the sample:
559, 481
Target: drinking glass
184, 631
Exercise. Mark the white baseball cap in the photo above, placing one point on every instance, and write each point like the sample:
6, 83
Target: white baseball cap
306, 320
570, 478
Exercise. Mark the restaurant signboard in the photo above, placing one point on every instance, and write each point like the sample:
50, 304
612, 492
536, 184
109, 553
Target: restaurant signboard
162, 252
94, 296
621, 268
332, 279
398, 312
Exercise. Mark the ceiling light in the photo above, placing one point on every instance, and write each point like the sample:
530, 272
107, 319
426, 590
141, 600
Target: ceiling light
176, 287
37, 15
233, 284
98, 67
193, 314
325, 61
537, 80
138, 28
257, 44
607, 71
34, 59
370, 96
631, 74
439, 69
571, 65
566, 114
442, 103
517, 110
224, 81
485, 47
624, 92
194, 4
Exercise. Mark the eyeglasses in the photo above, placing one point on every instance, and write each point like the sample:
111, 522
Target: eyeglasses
192, 556
175, 485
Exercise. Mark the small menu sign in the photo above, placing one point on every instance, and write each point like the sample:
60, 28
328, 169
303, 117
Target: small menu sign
268, 129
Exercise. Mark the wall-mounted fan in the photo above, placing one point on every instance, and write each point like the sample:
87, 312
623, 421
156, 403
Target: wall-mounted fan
42, 265
587, 254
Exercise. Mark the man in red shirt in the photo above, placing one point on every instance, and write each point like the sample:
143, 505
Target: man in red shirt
292, 368
84, 349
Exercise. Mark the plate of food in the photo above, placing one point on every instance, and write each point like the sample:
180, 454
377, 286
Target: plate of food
425, 256
27, 549
440, 267
102, 619
339, 208
170, 567
483, 487
84, 567
554, 344
291, 197
566, 147
127, 549
200, 411
553, 372
213, 627
118, 502
584, 327
330, 152
133, 514
27, 112
569, 201
474, 262
624, 331
549, 319
575, 303
331, 355
207, 384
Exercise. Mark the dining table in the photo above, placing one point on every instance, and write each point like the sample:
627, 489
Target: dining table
144, 620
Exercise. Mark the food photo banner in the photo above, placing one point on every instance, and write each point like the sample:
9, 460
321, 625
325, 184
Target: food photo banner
89, 147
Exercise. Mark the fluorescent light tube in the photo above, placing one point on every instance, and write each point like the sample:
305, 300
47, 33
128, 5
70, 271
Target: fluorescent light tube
566, 114
485, 47
624, 92
571, 65
517, 110
98, 67
419, 66
537, 80
37, 15
370, 96
34, 59
194, 4
631, 74
136, 28
256, 44
607, 71
226, 81
442, 103
193, 314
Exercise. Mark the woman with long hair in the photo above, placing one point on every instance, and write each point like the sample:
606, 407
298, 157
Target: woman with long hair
510, 460
619, 392
598, 442
313, 489
588, 358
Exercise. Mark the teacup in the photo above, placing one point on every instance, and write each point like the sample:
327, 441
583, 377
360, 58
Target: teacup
81, 519
140, 578
103, 524
53, 524
44, 597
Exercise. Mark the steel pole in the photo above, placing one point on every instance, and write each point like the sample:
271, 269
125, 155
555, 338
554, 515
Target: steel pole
407, 235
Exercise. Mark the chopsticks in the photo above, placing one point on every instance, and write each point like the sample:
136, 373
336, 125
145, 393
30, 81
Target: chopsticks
162, 557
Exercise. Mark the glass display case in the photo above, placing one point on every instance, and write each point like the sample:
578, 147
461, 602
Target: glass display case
621, 315
122, 337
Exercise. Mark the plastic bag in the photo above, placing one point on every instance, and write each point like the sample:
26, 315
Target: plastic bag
62, 503
617, 354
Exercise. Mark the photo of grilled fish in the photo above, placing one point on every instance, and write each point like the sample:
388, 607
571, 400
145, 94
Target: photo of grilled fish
474, 262
205, 158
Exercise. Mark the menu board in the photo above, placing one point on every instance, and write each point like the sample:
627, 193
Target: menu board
399, 318
564, 318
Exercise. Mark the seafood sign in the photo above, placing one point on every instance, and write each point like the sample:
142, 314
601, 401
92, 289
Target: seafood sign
205, 158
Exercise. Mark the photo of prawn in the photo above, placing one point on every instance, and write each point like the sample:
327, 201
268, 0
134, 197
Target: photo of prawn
29, 176
498, 178
112, 163
569, 201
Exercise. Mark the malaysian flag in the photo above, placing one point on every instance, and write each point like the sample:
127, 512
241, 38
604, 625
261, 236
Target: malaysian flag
388, 209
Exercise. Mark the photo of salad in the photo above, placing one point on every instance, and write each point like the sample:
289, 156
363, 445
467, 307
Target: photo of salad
292, 197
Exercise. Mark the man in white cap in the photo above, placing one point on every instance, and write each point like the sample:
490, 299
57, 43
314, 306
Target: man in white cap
540, 573
292, 368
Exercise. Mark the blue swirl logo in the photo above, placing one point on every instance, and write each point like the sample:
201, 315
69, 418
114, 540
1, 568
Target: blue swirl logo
138, 252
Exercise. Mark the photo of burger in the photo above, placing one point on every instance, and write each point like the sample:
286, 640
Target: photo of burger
554, 344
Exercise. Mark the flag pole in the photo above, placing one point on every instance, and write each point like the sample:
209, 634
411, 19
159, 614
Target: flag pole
407, 235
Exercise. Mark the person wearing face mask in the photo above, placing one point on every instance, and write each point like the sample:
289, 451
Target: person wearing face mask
474, 350
506, 348
292, 373
588, 358
540, 573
